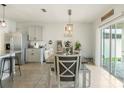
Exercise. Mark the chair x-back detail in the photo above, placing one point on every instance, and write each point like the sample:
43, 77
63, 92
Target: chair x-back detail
67, 68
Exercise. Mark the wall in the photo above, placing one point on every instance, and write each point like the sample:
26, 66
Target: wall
96, 44
55, 31
81, 32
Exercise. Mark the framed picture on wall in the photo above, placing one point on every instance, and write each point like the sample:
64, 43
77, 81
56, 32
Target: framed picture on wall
59, 46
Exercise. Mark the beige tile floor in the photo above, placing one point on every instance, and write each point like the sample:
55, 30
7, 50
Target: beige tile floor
100, 78
35, 75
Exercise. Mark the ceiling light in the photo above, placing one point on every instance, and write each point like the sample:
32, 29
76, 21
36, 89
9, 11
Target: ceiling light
3, 22
44, 10
69, 26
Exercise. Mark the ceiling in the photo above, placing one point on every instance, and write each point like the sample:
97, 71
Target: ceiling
55, 12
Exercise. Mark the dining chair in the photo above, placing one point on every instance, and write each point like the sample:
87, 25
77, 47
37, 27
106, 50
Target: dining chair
67, 69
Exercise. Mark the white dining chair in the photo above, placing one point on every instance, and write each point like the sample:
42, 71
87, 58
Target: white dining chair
67, 69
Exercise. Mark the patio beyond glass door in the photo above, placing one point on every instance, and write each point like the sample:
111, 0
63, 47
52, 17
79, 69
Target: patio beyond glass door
118, 62
106, 48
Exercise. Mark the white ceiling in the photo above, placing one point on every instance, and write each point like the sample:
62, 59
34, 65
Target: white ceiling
56, 12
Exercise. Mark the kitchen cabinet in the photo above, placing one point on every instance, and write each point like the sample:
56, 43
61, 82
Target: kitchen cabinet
35, 32
7, 37
33, 55
38, 33
31, 32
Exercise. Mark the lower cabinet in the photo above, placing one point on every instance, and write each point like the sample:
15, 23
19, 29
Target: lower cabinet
33, 55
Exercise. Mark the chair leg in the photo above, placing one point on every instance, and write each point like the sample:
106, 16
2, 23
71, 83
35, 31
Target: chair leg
58, 81
0, 83
11, 68
1, 73
3, 68
18, 65
75, 82
59, 84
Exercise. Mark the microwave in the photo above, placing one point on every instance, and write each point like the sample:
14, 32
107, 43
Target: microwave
7, 46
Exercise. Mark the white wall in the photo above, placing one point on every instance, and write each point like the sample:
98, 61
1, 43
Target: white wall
96, 44
81, 32
55, 31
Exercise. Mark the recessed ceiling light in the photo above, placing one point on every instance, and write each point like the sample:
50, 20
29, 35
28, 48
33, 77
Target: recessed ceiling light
3, 4
44, 10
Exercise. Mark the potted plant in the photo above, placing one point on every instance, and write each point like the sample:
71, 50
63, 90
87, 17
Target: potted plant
77, 47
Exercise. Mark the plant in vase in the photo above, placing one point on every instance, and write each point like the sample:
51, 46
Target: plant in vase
77, 47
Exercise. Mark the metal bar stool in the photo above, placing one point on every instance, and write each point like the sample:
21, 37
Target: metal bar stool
10, 60
2, 70
18, 63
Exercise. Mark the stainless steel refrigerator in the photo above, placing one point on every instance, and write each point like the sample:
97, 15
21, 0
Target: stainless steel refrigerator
19, 43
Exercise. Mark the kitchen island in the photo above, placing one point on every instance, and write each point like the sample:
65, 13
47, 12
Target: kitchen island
4, 54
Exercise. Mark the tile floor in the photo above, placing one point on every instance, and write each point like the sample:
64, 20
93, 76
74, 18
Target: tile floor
100, 78
36, 75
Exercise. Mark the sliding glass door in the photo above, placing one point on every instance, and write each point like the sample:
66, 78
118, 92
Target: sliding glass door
106, 48
112, 49
118, 68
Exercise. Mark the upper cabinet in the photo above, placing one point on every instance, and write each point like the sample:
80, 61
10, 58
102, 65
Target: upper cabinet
7, 37
39, 33
31, 33
35, 32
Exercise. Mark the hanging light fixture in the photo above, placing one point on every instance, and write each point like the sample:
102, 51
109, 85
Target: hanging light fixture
69, 26
3, 22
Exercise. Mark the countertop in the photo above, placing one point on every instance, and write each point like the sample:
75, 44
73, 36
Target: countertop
6, 53
33, 48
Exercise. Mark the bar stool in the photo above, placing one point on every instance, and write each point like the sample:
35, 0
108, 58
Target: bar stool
10, 60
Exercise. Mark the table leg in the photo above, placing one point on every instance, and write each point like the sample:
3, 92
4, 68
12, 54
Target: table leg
11, 68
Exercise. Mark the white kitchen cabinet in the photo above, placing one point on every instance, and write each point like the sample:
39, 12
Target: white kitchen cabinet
35, 33
33, 55
31, 32
38, 33
7, 37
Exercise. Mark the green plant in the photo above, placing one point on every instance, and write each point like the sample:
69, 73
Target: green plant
77, 45
114, 59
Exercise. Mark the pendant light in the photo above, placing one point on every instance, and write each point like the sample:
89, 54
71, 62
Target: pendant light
3, 22
69, 26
